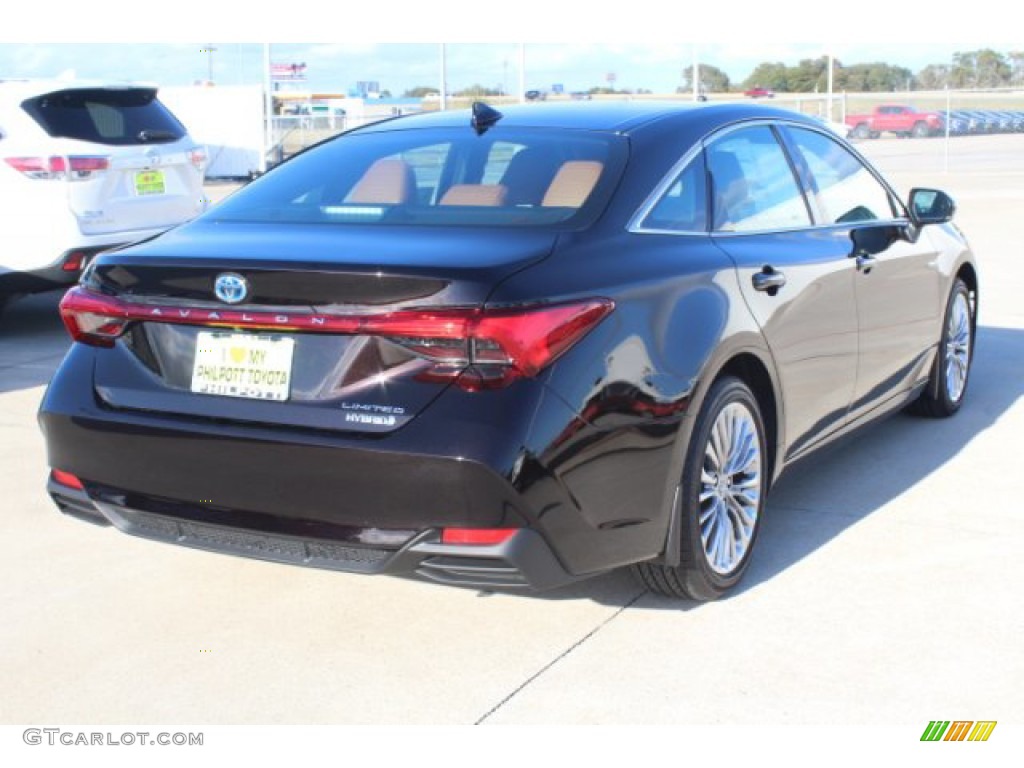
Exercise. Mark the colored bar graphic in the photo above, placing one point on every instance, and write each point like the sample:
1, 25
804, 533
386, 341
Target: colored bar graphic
959, 730
982, 730
935, 730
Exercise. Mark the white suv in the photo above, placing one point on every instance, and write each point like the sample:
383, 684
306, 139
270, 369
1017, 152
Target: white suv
85, 167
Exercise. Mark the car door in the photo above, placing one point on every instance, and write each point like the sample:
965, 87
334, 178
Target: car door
897, 282
796, 280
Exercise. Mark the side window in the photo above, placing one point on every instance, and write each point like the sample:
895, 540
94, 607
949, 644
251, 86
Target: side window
753, 187
845, 191
683, 207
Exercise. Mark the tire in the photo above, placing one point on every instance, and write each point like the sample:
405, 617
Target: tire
726, 508
947, 385
921, 130
862, 131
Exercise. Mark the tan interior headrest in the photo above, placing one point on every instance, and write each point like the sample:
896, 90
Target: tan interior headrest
388, 181
573, 184
475, 194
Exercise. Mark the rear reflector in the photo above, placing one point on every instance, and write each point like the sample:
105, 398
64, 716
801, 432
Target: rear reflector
73, 261
66, 479
478, 536
503, 343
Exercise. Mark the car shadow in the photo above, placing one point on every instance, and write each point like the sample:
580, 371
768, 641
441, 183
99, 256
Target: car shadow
32, 341
817, 499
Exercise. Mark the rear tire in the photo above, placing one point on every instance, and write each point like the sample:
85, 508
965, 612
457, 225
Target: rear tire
722, 495
921, 130
947, 385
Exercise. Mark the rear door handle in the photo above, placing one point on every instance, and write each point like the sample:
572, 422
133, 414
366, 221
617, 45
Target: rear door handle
769, 280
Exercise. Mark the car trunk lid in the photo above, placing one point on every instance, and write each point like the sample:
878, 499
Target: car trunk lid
347, 334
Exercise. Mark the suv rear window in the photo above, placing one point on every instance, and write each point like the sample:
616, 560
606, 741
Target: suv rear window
118, 116
513, 177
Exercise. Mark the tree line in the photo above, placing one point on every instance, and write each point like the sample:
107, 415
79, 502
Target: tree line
983, 68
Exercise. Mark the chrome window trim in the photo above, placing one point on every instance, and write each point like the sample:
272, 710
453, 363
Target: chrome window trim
635, 225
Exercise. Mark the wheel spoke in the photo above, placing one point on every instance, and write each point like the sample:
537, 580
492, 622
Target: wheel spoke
730, 494
958, 347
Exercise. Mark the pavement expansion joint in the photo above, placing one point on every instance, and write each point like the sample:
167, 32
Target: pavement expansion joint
560, 656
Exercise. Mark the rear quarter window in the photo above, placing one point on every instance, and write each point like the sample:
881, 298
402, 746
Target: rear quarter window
105, 116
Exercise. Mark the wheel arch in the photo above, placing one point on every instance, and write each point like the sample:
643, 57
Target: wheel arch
749, 368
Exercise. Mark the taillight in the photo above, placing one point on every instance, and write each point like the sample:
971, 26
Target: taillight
86, 166
197, 156
495, 345
93, 319
73, 167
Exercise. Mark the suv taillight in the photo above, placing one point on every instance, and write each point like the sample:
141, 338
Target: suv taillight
479, 347
197, 156
73, 167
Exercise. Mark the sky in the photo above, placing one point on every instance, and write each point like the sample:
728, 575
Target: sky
336, 67
646, 44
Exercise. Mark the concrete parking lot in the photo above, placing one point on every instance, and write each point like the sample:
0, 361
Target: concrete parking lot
885, 588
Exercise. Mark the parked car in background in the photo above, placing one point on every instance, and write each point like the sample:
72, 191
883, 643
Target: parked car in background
757, 92
895, 118
84, 167
510, 350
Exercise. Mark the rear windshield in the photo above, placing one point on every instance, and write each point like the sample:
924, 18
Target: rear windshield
117, 116
440, 177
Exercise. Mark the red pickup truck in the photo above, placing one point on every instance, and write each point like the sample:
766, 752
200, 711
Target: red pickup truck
897, 118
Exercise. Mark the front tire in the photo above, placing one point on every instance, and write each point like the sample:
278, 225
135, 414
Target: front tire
947, 385
722, 495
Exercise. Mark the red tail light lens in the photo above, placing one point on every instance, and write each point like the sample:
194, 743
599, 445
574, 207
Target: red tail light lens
477, 536
93, 319
501, 344
74, 168
66, 479
38, 167
197, 156
82, 167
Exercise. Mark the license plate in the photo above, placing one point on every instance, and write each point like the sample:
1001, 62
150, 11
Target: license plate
240, 365
149, 183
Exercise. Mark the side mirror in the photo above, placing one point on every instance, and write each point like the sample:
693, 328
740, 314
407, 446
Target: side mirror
930, 206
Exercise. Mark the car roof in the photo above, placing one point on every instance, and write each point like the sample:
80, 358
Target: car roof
618, 117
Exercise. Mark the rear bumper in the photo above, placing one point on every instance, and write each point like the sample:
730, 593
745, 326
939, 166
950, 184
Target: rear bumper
361, 503
63, 272
524, 561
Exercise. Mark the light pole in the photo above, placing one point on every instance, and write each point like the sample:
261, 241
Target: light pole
209, 51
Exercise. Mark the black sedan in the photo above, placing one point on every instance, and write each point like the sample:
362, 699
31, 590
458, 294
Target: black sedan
510, 350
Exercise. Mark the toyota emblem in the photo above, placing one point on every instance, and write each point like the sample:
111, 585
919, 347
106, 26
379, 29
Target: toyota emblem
231, 288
